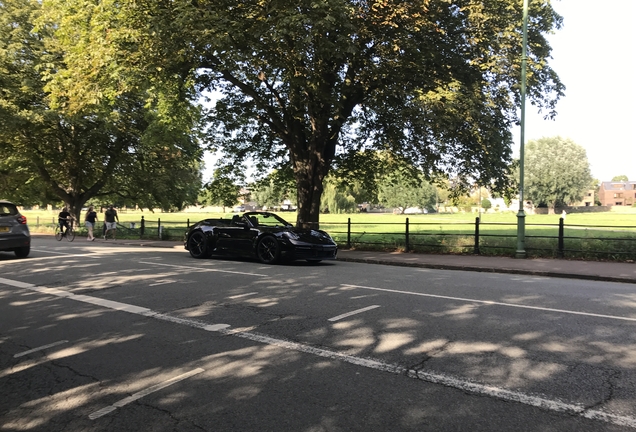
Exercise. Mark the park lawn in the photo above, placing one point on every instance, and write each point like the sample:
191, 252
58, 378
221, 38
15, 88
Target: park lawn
433, 232
382, 222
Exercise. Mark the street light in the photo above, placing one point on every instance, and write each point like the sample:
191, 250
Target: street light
521, 216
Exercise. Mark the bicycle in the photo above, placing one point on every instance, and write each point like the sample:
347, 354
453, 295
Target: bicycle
69, 234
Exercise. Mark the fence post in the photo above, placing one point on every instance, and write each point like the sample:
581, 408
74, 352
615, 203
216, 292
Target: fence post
142, 227
407, 246
348, 233
188, 223
476, 250
560, 249
159, 228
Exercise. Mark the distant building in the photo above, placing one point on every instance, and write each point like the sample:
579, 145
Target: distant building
588, 199
617, 193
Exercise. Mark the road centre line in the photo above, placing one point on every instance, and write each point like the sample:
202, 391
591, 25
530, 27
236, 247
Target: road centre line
234, 297
201, 269
99, 413
493, 303
41, 348
432, 377
355, 312
163, 282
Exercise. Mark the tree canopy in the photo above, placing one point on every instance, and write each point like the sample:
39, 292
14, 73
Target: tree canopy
622, 177
307, 84
557, 172
138, 146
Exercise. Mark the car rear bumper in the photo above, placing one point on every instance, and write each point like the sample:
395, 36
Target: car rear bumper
14, 241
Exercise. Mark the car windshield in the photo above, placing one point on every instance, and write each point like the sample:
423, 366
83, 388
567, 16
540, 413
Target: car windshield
266, 219
8, 210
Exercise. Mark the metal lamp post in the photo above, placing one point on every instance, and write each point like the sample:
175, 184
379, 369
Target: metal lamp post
521, 216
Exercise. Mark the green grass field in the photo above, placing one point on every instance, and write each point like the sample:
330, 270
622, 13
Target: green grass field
609, 235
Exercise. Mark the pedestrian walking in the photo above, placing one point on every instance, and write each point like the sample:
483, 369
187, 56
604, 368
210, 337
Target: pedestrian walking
111, 218
89, 220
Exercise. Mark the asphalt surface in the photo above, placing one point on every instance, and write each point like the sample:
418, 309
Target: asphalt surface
136, 335
572, 269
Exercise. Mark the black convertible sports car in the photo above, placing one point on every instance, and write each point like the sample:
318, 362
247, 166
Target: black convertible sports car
261, 235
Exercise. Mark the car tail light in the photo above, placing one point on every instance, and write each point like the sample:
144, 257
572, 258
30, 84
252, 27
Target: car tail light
22, 220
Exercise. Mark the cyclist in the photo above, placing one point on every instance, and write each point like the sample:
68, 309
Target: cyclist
63, 219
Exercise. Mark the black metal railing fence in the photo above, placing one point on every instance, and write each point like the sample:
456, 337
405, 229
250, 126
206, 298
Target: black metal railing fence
478, 237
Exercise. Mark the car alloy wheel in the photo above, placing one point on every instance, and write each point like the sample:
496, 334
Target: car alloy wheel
268, 250
198, 245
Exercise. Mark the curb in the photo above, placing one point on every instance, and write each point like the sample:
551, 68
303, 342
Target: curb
542, 273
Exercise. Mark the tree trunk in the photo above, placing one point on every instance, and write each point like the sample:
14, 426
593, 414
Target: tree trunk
309, 193
310, 169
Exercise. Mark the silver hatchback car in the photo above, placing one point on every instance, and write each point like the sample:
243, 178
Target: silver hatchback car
14, 231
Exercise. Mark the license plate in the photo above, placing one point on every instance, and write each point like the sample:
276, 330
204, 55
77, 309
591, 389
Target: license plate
4, 229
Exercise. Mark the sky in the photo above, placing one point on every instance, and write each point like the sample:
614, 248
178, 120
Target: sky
594, 55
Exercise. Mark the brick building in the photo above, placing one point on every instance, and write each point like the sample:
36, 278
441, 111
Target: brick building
621, 193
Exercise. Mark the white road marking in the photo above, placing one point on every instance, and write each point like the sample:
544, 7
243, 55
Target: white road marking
41, 348
432, 377
446, 380
164, 282
51, 252
242, 295
145, 392
494, 303
201, 268
348, 314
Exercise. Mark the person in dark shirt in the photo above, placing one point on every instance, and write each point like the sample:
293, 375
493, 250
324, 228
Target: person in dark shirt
111, 218
90, 219
63, 219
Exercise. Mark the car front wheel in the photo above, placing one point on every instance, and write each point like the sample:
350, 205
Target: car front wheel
198, 245
268, 250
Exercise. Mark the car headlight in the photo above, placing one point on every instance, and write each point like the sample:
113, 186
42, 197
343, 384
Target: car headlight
292, 235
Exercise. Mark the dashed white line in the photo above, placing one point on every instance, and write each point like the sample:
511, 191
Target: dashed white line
355, 312
493, 303
163, 282
234, 297
99, 413
41, 348
203, 269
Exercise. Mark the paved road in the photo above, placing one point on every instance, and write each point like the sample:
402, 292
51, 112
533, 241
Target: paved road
105, 336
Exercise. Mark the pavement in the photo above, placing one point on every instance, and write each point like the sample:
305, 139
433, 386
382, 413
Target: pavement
608, 271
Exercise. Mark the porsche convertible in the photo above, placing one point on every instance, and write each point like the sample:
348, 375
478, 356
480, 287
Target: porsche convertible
261, 235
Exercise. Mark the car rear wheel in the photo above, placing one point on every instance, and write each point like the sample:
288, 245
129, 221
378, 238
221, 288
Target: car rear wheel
268, 250
23, 252
198, 245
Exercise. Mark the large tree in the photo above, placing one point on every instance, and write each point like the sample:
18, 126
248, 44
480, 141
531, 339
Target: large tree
136, 147
557, 172
306, 84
